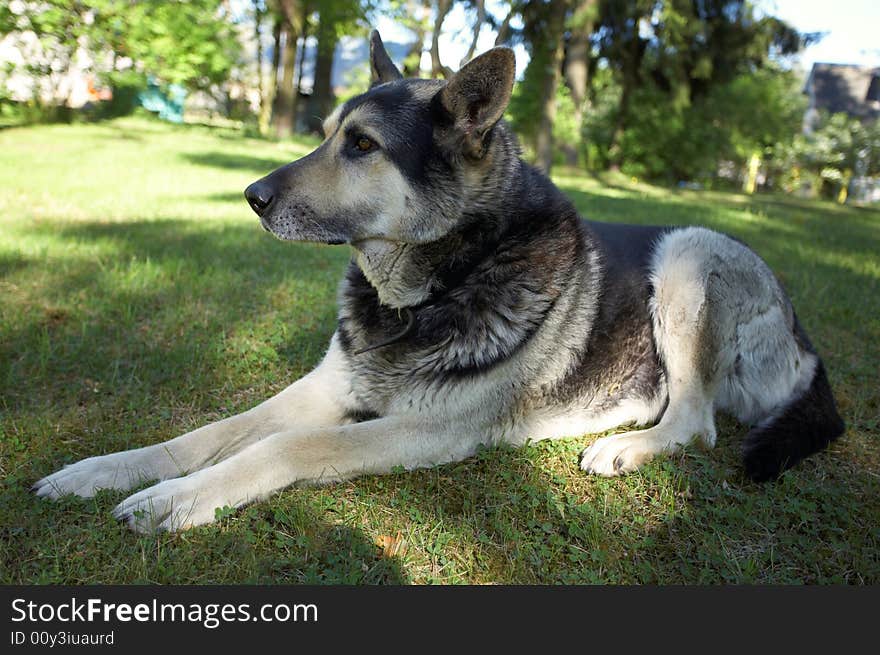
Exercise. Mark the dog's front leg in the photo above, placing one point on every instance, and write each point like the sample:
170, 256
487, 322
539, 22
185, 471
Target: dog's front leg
319, 399
314, 456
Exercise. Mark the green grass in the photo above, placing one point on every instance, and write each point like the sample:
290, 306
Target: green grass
139, 299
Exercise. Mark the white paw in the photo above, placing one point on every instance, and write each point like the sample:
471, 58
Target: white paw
616, 455
172, 505
87, 476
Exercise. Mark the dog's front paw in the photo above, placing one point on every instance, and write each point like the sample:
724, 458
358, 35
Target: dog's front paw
615, 455
88, 476
172, 505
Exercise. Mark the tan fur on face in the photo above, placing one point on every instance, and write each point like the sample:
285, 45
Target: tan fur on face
341, 184
332, 122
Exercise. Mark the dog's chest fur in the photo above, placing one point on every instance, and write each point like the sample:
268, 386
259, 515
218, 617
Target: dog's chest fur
529, 319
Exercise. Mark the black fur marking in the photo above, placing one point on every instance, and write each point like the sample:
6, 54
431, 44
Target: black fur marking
360, 415
407, 128
620, 353
806, 426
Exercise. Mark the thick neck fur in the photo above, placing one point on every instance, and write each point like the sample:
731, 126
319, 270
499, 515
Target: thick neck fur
479, 292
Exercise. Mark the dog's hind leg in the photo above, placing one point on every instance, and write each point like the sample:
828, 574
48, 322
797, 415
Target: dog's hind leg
689, 414
706, 287
316, 400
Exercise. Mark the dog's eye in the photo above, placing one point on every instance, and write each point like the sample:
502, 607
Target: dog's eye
364, 144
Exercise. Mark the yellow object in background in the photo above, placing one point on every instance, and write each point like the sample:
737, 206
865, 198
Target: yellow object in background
752, 180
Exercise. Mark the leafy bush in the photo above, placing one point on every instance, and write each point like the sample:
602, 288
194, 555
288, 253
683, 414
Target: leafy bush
826, 159
674, 139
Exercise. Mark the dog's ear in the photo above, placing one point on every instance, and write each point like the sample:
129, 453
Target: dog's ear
477, 96
382, 69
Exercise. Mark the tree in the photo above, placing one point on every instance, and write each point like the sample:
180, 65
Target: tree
415, 15
504, 32
191, 43
581, 25
289, 21
479, 20
306, 12
668, 59
264, 113
533, 108
335, 18
829, 157
623, 46
441, 9
59, 28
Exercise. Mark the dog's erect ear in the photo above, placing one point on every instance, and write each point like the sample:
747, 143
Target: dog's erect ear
478, 94
381, 67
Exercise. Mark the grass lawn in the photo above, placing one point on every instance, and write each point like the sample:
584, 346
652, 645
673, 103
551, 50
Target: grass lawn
139, 299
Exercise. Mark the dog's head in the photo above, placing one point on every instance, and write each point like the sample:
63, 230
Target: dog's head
396, 162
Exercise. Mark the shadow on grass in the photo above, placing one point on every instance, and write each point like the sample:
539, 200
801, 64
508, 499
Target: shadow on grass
259, 165
136, 346
531, 516
163, 299
77, 541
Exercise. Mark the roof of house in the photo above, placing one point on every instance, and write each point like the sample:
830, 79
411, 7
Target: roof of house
845, 88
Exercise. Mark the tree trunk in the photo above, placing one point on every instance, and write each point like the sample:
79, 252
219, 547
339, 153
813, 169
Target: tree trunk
321, 100
261, 90
478, 25
577, 70
301, 58
282, 115
412, 61
553, 52
420, 13
632, 58
437, 68
276, 50
504, 30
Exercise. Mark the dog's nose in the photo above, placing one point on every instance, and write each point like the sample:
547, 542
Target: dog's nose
259, 197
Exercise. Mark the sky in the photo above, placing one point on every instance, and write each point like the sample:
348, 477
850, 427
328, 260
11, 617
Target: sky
852, 26
456, 36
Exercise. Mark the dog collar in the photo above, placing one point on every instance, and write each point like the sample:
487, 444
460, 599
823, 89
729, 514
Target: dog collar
410, 324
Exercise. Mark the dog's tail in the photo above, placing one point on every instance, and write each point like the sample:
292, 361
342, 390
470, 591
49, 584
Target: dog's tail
804, 426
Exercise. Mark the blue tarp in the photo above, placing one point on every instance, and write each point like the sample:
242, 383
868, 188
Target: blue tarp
167, 101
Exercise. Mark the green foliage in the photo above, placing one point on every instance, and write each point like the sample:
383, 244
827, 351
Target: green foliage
191, 43
759, 108
357, 81
826, 158
526, 105
695, 86
565, 129
687, 140
598, 127
58, 26
340, 18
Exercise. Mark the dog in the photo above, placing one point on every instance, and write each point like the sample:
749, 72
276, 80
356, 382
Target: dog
479, 309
